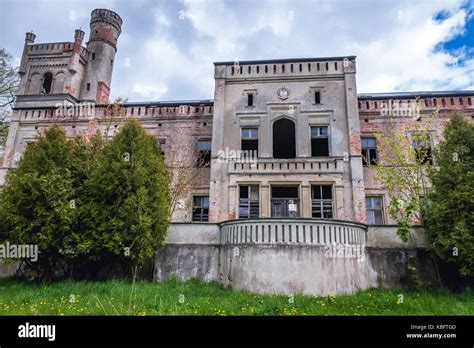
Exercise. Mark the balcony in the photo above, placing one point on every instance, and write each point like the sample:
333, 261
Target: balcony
332, 165
298, 231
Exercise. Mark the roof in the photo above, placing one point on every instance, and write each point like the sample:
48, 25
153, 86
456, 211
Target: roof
196, 102
286, 60
413, 95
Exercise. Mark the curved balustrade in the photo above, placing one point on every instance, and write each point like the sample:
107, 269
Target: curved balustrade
292, 231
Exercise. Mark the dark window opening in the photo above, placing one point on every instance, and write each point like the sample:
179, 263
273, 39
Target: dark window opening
47, 82
422, 148
88, 87
162, 143
249, 203
249, 142
369, 151
250, 99
319, 141
284, 142
285, 201
374, 210
317, 97
93, 55
203, 148
321, 203
200, 208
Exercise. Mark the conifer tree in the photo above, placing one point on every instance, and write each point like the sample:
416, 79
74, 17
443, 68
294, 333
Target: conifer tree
450, 214
128, 211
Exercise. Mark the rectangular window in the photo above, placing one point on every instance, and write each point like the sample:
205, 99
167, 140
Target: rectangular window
374, 209
317, 97
203, 148
162, 143
88, 86
249, 99
369, 151
285, 201
201, 208
249, 203
249, 141
319, 141
422, 149
321, 204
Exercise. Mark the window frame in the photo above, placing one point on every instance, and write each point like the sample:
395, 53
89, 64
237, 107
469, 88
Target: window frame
382, 210
368, 163
202, 207
242, 139
320, 137
249, 201
429, 158
207, 162
322, 201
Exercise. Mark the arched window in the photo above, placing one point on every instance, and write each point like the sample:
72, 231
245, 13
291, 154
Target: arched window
47, 83
284, 142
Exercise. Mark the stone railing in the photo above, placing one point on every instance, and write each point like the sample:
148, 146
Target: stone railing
292, 231
330, 165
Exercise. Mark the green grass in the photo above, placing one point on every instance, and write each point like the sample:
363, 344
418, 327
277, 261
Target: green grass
196, 298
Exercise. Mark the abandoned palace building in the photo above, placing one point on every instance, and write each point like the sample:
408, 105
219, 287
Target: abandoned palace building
281, 198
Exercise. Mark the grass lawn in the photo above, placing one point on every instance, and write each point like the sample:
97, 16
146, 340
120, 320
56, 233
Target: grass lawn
196, 298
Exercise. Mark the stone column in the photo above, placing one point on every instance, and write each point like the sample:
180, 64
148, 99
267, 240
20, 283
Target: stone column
305, 201
265, 201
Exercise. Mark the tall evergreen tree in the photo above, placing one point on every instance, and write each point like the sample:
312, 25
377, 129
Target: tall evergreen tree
128, 212
35, 206
450, 214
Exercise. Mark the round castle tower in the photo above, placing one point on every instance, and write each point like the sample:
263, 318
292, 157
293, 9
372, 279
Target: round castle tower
105, 28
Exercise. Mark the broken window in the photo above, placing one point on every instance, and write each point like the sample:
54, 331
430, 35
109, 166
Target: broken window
285, 201
422, 148
369, 151
321, 203
201, 208
319, 141
249, 203
162, 144
284, 142
47, 83
249, 142
374, 210
203, 148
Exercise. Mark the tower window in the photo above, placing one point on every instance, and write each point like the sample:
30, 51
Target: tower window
201, 208
93, 55
250, 99
203, 148
369, 151
249, 203
249, 142
47, 82
88, 86
321, 203
319, 141
317, 97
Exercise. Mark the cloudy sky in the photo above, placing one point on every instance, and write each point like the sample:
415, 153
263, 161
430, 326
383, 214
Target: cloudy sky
167, 47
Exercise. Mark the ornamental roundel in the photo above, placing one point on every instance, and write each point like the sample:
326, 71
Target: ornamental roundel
283, 93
